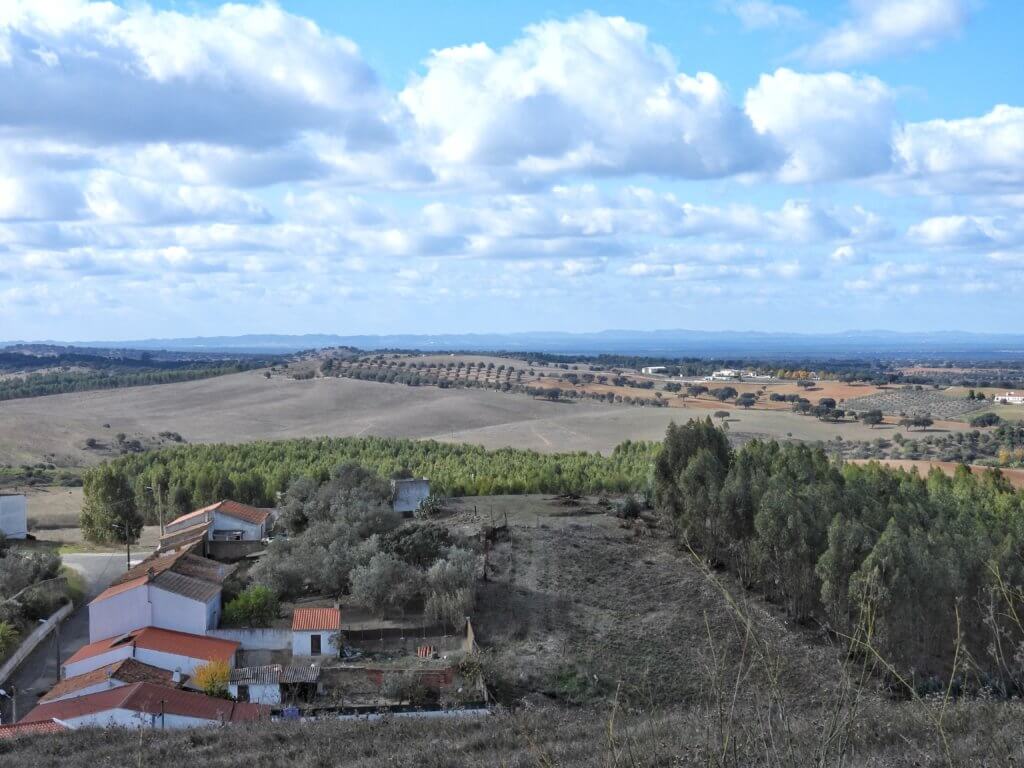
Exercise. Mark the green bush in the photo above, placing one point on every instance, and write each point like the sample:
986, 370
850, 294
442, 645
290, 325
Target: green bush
255, 606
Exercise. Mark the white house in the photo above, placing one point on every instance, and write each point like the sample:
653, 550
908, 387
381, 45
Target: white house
726, 374
653, 369
13, 515
161, 648
1010, 398
313, 630
116, 675
146, 705
228, 521
407, 495
178, 591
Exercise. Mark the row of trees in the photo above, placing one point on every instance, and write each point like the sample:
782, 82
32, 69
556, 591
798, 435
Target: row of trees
55, 383
179, 479
925, 569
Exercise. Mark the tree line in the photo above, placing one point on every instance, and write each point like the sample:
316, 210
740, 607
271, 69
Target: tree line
927, 571
179, 479
61, 382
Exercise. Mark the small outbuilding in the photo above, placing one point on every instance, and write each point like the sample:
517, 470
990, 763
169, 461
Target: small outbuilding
13, 515
313, 631
274, 683
408, 494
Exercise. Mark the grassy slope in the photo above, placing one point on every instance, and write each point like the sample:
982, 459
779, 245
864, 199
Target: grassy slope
576, 596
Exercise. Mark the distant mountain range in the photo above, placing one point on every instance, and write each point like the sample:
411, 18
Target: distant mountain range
945, 345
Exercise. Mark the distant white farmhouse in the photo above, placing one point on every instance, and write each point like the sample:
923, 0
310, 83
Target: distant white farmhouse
726, 374
408, 495
652, 369
13, 516
178, 591
1010, 398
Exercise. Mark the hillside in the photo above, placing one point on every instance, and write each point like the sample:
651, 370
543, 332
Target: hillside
608, 646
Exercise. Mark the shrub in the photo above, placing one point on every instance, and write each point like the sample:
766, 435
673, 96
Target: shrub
8, 637
255, 606
986, 420
212, 678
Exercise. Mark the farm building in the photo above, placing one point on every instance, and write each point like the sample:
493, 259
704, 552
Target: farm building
726, 374
224, 521
1010, 398
652, 369
177, 591
313, 630
145, 705
408, 495
161, 648
273, 683
116, 675
13, 515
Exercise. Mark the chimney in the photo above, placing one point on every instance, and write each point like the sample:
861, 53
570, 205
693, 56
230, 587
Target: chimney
176, 677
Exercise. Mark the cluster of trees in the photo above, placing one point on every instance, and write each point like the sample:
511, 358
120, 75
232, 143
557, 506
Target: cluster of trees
179, 479
345, 539
20, 569
59, 382
921, 568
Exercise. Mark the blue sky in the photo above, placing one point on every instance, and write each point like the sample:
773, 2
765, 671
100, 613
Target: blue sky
192, 168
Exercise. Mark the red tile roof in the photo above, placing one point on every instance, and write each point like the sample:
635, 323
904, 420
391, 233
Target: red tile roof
30, 729
254, 515
312, 619
165, 640
149, 699
125, 671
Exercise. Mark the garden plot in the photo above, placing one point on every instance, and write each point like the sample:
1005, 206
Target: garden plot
911, 402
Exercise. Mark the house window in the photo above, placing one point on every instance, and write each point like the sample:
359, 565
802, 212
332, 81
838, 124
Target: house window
314, 645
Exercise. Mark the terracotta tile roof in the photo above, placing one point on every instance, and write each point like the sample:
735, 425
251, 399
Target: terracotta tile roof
203, 568
166, 640
149, 699
254, 515
194, 589
126, 671
30, 729
312, 619
184, 537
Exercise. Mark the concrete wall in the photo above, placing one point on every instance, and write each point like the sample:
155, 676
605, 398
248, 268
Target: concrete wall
174, 611
13, 516
121, 613
250, 531
30, 643
302, 643
258, 639
198, 520
172, 661
409, 494
232, 550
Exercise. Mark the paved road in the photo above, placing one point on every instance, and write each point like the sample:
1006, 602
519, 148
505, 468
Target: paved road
40, 671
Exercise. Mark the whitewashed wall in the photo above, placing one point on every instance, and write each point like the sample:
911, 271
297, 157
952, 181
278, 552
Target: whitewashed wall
124, 718
257, 639
14, 516
174, 611
302, 643
259, 694
106, 685
121, 613
97, 661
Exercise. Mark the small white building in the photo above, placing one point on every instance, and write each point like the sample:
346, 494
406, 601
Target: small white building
653, 369
726, 374
313, 631
146, 705
13, 515
1010, 398
408, 495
